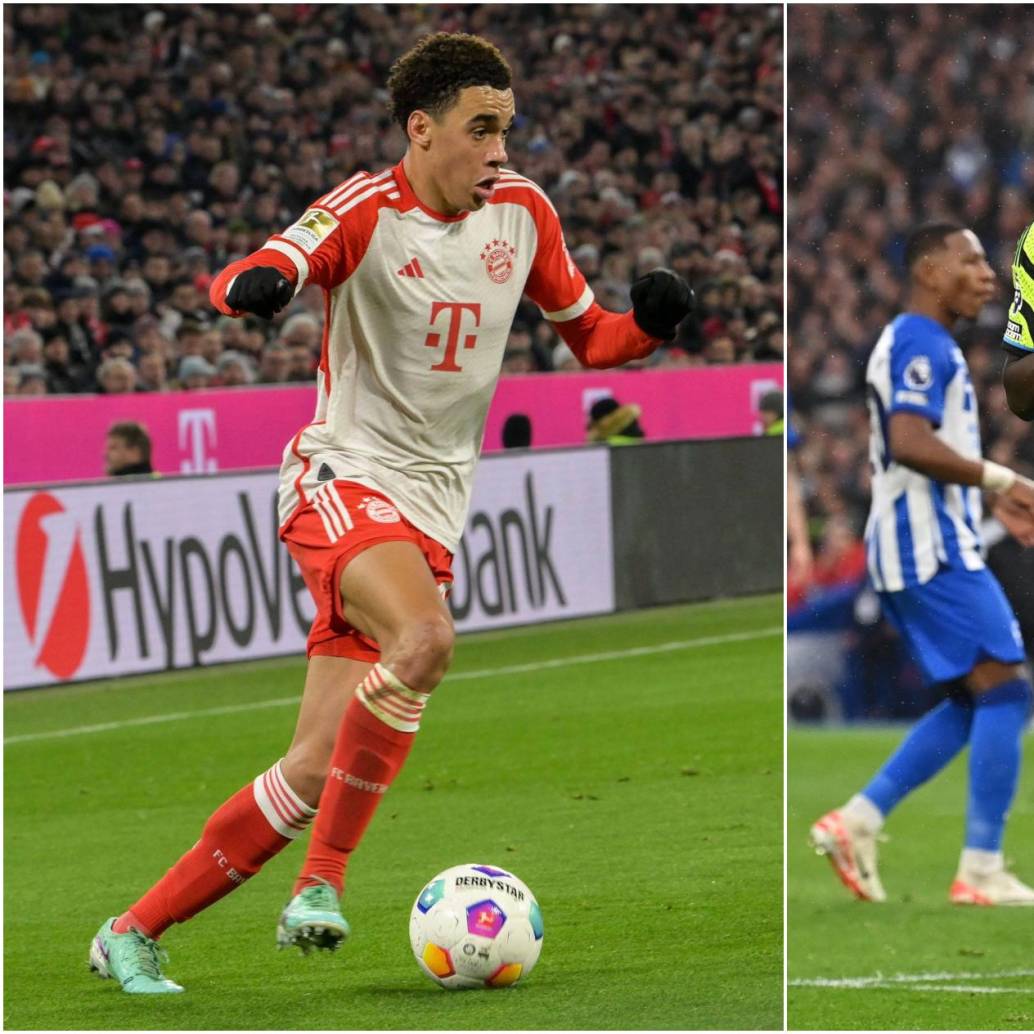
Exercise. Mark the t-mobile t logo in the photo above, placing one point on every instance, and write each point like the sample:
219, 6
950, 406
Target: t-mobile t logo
452, 341
197, 434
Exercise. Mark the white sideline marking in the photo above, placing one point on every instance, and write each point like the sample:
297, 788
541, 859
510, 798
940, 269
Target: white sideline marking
936, 982
968, 989
509, 669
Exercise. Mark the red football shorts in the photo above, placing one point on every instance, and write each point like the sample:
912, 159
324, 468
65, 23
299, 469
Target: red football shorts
341, 520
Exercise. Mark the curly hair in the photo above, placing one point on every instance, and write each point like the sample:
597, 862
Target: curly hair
430, 76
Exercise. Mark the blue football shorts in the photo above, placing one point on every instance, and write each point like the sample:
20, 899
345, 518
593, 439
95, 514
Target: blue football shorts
954, 621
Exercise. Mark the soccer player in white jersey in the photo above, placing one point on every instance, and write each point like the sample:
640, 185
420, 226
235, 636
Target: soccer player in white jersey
925, 560
422, 267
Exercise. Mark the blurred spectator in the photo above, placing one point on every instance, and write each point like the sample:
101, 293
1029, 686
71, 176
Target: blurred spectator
134, 171
116, 376
235, 370
195, 372
127, 449
32, 379
26, 346
770, 410
274, 365
303, 330
613, 423
721, 349
517, 431
301, 364
153, 372
840, 562
64, 376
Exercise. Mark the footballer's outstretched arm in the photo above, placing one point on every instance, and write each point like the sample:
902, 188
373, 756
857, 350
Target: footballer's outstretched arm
599, 339
914, 444
1018, 380
661, 300
602, 339
313, 250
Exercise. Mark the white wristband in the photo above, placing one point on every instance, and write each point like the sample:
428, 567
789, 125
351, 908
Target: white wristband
997, 478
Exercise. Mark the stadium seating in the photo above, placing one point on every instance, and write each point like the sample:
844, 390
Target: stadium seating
147, 146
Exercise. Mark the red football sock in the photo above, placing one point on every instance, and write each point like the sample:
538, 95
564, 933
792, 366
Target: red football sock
244, 833
376, 732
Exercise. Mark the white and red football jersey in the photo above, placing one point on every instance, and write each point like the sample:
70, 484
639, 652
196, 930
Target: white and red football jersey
418, 310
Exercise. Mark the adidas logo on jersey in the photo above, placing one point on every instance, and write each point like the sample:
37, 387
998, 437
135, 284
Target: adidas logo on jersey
412, 268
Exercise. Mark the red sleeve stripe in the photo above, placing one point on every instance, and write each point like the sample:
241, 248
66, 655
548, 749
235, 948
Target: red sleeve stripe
333, 201
327, 199
511, 179
355, 199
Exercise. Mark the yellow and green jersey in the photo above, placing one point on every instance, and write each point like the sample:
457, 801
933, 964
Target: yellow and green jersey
1019, 331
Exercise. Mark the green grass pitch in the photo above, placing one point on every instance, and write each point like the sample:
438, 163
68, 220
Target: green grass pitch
638, 795
918, 963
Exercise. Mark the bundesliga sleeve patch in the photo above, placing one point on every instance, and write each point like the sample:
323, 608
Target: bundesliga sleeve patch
311, 230
919, 373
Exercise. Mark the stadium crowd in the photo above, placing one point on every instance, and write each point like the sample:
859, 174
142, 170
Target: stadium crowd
145, 146
917, 113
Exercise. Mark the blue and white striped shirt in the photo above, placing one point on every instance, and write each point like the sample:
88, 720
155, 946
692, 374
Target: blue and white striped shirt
918, 526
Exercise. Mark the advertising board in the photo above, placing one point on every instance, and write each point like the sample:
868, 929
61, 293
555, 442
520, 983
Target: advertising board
131, 576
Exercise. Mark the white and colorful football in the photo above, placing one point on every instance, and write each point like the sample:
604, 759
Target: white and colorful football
476, 926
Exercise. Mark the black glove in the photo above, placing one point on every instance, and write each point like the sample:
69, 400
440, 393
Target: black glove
263, 291
661, 300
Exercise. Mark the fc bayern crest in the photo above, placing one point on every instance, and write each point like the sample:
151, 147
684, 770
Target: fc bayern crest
498, 258
379, 510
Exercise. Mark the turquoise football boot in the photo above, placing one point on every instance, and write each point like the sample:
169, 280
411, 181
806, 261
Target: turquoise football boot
312, 919
132, 959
